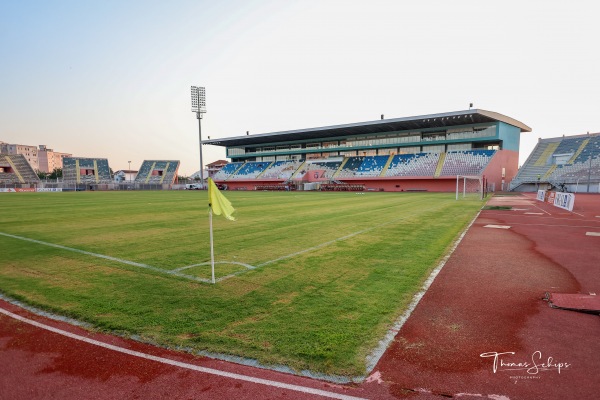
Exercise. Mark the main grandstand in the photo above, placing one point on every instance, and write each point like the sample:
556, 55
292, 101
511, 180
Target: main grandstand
402, 154
567, 163
15, 170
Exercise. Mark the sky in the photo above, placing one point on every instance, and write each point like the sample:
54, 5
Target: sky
112, 79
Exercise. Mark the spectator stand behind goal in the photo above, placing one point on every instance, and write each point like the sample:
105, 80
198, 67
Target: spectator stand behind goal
86, 171
157, 172
16, 171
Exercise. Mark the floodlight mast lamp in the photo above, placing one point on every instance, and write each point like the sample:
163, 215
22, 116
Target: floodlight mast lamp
199, 107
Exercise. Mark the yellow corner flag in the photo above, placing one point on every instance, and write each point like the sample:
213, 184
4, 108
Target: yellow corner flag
219, 203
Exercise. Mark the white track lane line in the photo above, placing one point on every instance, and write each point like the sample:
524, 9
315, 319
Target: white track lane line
211, 371
558, 226
536, 206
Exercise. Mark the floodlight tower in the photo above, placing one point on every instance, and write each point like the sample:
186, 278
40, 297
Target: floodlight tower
199, 107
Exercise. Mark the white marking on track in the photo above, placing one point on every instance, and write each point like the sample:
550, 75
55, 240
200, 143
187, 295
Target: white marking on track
551, 218
211, 371
592, 233
497, 226
536, 206
560, 226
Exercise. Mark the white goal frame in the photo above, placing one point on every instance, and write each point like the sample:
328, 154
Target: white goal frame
475, 185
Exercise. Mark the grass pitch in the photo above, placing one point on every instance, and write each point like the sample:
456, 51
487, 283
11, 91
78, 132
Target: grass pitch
309, 280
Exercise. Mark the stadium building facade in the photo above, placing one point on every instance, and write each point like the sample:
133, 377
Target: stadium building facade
424, 152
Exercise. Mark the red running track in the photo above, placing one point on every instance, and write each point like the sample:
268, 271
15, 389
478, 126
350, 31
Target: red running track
486, 299
489, 298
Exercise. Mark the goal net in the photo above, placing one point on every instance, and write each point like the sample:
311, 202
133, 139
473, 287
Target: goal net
470, 186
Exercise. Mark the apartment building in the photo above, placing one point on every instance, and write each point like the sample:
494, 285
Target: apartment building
49, 159
29, 152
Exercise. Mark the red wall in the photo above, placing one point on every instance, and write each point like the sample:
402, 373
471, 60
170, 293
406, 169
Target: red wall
445, 184
249, 184
507, 159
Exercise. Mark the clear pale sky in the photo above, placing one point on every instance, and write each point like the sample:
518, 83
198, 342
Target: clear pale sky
112, 78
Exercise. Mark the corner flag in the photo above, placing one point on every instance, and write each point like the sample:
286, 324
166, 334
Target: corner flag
219, 203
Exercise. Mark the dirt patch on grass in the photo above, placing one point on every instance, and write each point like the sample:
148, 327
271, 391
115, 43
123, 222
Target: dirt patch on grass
187, 336
286, 298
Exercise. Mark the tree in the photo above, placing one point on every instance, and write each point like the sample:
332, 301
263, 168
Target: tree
41, 175
57, 173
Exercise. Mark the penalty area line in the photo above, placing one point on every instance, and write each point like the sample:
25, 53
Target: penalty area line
340, 239
211, 371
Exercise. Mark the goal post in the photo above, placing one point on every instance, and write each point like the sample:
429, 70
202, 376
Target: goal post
471, 186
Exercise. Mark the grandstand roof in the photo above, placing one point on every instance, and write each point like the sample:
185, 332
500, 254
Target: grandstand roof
384, 125
561, 138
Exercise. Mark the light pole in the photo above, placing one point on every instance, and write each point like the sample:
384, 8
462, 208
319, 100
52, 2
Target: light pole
129, 171
199, 107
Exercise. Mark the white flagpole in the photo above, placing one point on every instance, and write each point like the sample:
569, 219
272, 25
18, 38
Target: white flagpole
212, 250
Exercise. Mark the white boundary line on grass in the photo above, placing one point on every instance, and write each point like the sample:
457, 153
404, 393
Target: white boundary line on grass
216, 262
372, 358
176, 272
340, 239
297, 253
162, 360
119, 260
